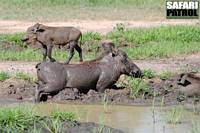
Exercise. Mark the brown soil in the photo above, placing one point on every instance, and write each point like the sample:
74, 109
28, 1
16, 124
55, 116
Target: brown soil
19, 89
103, 26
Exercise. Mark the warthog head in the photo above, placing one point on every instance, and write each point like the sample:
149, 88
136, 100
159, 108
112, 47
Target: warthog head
31, 36
125, 65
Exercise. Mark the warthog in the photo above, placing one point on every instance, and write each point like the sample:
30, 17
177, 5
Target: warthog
96, 74
50, 36
190, 84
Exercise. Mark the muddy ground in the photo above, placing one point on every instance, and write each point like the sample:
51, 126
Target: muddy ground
23, 90
160, 91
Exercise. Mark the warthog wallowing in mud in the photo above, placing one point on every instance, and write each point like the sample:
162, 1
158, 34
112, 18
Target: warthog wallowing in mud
96, 74
50, 36
190, 84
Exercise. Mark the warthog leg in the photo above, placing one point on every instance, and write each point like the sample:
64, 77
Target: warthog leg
79, 50
71, 51
49, 51
37, 95
46, 89
102, 83
38, 92
44, 52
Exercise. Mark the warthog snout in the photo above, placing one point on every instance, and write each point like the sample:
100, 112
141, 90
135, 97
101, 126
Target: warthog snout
135, 71
137, 74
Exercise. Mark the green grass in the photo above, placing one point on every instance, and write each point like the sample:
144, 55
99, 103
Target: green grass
55, 121
60, 10
17, 119
16, 38
24, 76
4, 76
148, 73
143, 43
195, 126
166, 75
25, 118
158, 42
138, 87
53, 125
63, 116
20, 75
175, 115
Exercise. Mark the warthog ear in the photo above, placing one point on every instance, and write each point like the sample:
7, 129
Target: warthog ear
114, 53
37, 28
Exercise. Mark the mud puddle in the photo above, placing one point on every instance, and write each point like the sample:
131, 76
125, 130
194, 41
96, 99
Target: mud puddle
130, 119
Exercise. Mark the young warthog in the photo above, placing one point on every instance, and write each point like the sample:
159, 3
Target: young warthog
50, 36
96, 74
190, 84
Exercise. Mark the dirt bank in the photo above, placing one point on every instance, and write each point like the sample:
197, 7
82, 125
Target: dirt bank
189, 62
103, 26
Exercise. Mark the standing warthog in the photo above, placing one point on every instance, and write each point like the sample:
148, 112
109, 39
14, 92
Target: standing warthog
50, 36
96, 74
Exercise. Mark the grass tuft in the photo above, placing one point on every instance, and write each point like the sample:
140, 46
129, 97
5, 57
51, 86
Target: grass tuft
15, 38
4, 76
138, 87
63, 116
174, 115
22, 75
17, 119
166, 75
148, 73
195, 127
26, 119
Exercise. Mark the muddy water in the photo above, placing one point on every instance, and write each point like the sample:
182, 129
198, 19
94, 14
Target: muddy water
130, 119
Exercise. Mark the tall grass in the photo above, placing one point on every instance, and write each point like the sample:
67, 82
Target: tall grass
25, 118
175, 115
17, 119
